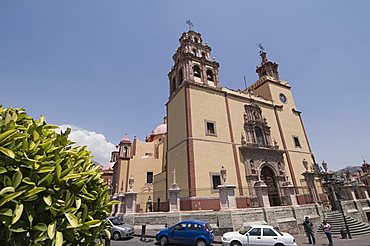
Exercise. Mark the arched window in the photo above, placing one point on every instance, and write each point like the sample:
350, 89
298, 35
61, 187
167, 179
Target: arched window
203, 54
194, 52
196, 71
181, 76
125, 151
209, 75
259, 137
195, 39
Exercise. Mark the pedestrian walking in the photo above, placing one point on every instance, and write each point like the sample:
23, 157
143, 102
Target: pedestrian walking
308, 228
327, 229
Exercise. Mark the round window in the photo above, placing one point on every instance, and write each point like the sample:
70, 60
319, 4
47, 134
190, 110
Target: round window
283, 98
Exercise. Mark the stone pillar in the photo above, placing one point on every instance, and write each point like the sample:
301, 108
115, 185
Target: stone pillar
363, 191
174, 195
227, 196
353, 195
366, 194
120, 208
262, 193
290, 195
310, 177
174, 199
130, 202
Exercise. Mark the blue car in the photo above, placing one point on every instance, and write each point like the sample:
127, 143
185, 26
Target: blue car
190, 232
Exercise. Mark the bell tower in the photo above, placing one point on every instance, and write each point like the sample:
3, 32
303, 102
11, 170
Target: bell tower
193, 63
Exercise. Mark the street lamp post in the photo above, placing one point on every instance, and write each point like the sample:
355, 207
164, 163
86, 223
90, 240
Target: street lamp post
334, 186
338, 191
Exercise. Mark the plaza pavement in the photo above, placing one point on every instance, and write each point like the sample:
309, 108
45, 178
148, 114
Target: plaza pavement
300, 239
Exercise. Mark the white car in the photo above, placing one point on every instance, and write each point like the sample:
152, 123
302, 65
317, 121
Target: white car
258, 235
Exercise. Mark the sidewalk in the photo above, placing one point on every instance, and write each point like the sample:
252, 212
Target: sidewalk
300, 239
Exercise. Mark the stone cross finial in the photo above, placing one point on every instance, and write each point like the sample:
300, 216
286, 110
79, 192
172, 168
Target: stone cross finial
131, 183
174, 176
223, 174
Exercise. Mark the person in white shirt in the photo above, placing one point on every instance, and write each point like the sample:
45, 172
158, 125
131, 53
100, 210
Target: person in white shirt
327, 229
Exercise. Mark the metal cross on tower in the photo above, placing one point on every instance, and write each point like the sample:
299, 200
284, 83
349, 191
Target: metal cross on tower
190, 24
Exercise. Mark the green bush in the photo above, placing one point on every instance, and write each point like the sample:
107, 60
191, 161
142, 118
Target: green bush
51, 192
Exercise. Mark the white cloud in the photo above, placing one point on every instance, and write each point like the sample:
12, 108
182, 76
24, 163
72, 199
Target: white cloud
100, 148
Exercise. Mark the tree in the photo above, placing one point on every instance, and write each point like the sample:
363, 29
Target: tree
51, 192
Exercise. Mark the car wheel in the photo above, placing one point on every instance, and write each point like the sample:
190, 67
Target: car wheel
201, 243
116, 236
163, 241
279, 244
235, 243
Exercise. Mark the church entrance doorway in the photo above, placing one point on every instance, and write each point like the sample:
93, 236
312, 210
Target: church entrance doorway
267, 175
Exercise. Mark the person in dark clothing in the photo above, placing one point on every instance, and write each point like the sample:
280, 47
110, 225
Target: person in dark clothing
308, 228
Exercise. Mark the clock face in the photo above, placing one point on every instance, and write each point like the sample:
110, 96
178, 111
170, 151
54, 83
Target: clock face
282, 98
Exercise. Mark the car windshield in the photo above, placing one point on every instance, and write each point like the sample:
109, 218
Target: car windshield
281, 234
244, 230
208, 226
116, 221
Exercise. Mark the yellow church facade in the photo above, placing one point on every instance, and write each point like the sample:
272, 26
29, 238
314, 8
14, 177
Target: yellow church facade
256, 134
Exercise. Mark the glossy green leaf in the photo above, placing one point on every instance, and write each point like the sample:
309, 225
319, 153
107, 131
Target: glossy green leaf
17, 178
47, 200
71, 176
59, 239
7, 152
34, 191
51, 229
93, 223
27, 180
6, 212
72, 219
7, 134
17, 213
40, 227
2, 170
10, 197
6, 190
78, 202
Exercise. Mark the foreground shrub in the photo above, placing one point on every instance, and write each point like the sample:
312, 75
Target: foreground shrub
51, 192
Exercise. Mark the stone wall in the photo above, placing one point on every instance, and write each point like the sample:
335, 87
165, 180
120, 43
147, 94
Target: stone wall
358, 209
286, 218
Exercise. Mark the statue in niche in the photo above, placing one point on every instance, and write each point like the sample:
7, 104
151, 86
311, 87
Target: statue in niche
223, 174
131, 183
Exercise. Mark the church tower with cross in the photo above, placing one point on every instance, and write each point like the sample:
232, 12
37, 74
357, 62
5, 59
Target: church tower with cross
256, 133
193, 62
252, 138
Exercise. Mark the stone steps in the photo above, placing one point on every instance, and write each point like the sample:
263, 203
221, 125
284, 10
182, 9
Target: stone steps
336, 221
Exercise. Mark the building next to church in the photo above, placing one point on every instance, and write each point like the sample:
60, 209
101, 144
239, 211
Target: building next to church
256, 134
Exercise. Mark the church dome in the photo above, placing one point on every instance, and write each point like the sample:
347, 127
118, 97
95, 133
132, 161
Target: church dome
125, 139
161, 129
108, 167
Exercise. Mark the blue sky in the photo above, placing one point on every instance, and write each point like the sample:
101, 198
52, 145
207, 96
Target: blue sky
101, 66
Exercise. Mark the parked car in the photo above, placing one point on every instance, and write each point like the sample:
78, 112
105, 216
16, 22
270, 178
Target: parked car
258, 235
119, 229
190, 232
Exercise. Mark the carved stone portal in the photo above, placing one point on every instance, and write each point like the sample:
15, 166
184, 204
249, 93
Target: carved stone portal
263, 160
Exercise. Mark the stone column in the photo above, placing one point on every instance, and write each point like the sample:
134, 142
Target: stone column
227, 196
174, 201
310, 177
366, 194
262, 193
130, 202
120, 208
290, 195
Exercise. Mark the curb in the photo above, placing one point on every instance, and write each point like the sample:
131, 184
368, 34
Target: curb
152, 236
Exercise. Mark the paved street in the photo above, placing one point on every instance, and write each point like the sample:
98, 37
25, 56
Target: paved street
300, 239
